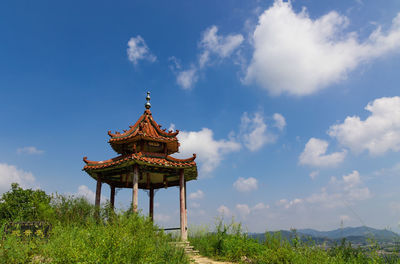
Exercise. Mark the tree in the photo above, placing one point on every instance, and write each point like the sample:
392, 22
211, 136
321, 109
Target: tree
24, 205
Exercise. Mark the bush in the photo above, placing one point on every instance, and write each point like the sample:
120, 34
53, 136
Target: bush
25, 205
80, 233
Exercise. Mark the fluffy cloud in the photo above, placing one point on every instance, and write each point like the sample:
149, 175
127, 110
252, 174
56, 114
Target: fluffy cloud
297, 55
186, 79
199, 194
280, 121
244, 210
260, 206
213, 48
214, 44
11, 174
210, 152
223, 210
314, 154
348, 189
29, 150
288, 204
138, 50
246, 185
254, 132
377, 134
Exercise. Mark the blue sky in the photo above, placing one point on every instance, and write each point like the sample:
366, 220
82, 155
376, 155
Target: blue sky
292, 108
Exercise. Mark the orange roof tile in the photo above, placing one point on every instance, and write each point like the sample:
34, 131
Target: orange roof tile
145, 127
150, 158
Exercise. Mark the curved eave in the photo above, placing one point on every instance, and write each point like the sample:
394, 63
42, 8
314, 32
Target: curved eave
133, 131
140, 158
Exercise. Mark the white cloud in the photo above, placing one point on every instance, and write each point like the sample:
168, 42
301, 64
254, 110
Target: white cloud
223, 210
243, 209
340, 192
280, 121
245, 185
260, 206
254, 131
222, 46
85, 192
351, 180
29, 150
11, 174
377, 134
314, 174
288, 204
213, 47
314, 154
210, 152
297, 55
186, 79
138, 50
199, 194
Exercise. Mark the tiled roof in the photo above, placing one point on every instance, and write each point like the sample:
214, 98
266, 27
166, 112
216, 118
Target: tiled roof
145, 127
149, 158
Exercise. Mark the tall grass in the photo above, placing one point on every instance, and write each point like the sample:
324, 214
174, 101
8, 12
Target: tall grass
80, 234
228, 241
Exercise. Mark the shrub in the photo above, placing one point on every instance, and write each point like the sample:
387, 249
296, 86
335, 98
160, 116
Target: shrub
25, 205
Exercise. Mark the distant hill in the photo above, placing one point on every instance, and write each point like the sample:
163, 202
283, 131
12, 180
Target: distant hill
355, 235
381, 235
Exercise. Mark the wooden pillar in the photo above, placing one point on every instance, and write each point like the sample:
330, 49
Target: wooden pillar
151, 209
135, 180
186, 221
182, 199
98, 191
112, 196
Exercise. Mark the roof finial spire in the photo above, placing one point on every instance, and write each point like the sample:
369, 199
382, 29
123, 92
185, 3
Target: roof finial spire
147, 104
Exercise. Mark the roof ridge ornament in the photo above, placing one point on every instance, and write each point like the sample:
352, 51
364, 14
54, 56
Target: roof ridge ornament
147, 104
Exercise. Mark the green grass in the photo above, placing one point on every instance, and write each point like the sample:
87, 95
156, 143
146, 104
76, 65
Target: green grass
80, 234
229, 242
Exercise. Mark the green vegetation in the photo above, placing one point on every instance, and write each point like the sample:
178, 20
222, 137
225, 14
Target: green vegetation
76, 236
75, 232
229, 242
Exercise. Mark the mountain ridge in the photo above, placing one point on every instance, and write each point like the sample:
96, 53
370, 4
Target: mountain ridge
355, 235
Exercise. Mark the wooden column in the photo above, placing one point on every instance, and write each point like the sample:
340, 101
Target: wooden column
151, 209
135, 180
112, 196
186, 221
182, 199
98, 191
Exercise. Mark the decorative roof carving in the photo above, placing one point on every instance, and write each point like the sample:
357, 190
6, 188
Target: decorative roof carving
150, 158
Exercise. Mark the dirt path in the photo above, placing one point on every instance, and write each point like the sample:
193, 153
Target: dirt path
203, 260
194, 254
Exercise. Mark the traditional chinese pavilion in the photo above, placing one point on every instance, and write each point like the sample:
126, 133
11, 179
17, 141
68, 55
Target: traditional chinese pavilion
144, 162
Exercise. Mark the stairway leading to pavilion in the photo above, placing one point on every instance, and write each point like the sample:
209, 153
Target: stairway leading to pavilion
194, 255
189, 250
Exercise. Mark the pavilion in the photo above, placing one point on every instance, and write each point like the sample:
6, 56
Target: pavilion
144, 162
